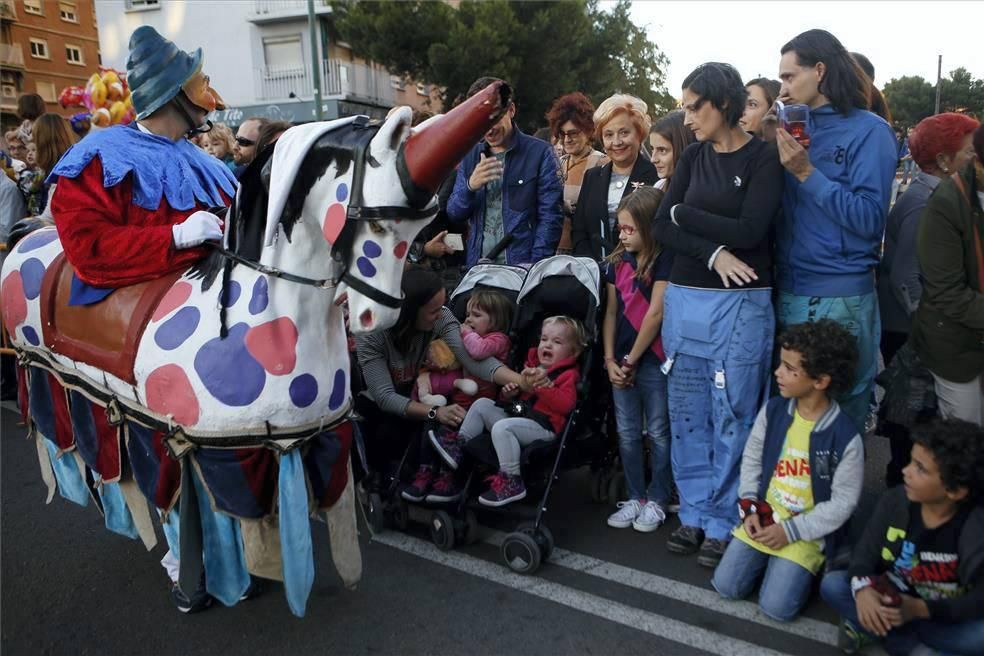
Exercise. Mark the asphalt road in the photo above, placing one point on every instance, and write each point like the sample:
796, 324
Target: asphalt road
69, 586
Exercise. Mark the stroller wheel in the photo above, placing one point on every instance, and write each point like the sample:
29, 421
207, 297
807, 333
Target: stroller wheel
472, 528
401, 515
543, 537
442, 530
374, 511
616, 488
521, 553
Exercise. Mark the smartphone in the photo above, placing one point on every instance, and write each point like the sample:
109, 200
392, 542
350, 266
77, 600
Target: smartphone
454, 242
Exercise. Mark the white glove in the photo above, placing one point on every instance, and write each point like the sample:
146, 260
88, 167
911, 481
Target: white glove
197, 229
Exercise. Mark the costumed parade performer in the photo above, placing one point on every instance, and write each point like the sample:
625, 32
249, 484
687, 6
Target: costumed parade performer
176, 363
132, 202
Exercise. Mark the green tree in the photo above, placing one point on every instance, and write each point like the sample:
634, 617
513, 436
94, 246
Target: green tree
544, 49
910, 98
961, 92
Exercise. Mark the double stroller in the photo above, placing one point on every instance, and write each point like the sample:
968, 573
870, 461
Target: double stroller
560, 285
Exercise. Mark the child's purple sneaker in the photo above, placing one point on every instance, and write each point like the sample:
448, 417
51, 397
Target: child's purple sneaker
444, 490
503, 489
417, 490
446, 444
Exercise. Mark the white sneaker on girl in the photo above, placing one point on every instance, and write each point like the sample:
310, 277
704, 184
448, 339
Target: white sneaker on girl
627, 513
650, 519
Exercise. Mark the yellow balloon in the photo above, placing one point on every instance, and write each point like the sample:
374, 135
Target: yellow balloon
128, 101
110, 77
99, 94
114, 91
93, 78
117, 111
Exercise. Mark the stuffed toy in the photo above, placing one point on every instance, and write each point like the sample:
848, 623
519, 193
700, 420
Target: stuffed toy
441, 375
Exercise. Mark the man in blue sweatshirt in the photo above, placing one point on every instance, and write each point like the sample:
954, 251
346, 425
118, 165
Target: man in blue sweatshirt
836, 198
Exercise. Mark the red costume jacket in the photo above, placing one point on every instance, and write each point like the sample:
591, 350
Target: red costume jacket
112, 242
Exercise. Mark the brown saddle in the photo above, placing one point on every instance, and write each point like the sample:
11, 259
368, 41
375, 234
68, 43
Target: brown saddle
105, 334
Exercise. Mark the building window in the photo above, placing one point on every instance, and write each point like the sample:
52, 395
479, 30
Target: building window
8, 91
283, 53
141, 5
39, 49
73, 55
33, 7
68, 12
47, 91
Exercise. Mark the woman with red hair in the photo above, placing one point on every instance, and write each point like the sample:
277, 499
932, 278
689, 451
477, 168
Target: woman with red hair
949, 322
572, 125
621, 123
939, 145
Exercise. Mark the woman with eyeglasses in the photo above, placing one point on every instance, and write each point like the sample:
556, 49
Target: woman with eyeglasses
718, 321
621, 123
572, 126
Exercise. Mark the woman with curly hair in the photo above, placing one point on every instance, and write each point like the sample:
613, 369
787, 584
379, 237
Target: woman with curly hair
621, 123
916, 577
572, 127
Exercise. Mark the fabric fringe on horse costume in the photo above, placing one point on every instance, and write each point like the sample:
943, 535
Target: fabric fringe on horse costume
229, 512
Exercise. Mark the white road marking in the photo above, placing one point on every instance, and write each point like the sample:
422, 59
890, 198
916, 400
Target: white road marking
803, 627
613, 611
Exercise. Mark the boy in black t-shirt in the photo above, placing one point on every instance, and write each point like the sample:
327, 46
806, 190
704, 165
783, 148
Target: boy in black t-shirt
916, 578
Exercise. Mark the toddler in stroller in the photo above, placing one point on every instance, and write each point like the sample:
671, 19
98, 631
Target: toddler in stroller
525, 414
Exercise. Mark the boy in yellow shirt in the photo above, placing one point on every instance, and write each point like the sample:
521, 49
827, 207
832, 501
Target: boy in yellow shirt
801, 475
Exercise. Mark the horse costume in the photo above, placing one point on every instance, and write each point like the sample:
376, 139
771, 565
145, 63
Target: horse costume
219, 395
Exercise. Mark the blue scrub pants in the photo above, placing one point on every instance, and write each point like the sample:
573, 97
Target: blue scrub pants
718, 345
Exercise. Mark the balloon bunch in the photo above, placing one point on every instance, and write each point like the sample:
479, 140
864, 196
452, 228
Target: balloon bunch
105, 95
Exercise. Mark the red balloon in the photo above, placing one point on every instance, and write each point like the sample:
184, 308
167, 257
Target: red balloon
71, 97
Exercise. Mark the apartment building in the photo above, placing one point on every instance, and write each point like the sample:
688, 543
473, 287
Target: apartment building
259, 56
45, 46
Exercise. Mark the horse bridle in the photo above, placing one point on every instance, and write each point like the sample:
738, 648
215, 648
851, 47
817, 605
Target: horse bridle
341, 249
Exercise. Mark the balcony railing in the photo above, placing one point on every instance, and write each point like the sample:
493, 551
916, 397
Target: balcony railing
11, 55
340, 80
277, 9
8, 10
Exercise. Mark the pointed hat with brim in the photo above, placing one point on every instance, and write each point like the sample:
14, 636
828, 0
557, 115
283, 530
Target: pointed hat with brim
157, 69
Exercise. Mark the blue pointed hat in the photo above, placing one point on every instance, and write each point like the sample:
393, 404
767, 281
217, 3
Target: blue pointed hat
156, 70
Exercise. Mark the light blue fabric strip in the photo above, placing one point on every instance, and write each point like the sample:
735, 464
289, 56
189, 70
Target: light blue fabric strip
296, 549
226, 577
71, 485
118, 517
171, 531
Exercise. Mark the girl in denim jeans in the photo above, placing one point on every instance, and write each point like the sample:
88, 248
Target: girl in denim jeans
637, 275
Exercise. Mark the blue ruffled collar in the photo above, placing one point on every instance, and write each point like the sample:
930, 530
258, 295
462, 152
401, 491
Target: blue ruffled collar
179, 171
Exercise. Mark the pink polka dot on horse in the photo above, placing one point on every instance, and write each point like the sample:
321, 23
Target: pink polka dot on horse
169, 392
274, 345
334, 222
400, 250
173, 299
14, 302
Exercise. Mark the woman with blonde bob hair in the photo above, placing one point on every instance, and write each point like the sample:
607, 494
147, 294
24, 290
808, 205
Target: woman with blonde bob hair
621, 124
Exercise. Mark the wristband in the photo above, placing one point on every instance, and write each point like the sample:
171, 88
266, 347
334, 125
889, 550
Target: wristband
625, 364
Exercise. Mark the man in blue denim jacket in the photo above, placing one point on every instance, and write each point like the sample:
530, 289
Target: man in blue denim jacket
508, 185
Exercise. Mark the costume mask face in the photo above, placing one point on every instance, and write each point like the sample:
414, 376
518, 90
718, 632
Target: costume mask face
200, 92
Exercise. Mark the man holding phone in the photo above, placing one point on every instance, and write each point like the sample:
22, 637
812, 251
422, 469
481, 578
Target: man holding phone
836, 197
509, 190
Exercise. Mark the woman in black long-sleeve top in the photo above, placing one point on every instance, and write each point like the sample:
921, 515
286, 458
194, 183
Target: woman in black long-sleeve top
718, 320
621, 123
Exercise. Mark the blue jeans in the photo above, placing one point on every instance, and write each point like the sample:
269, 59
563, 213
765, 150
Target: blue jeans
859, 316
785, 585
717, 345
645, 401
965, 638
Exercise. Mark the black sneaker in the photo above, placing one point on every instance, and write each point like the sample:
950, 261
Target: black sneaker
446, 444
685, 540
199, 600
711, 552
254, 590
444, 489
850, 639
